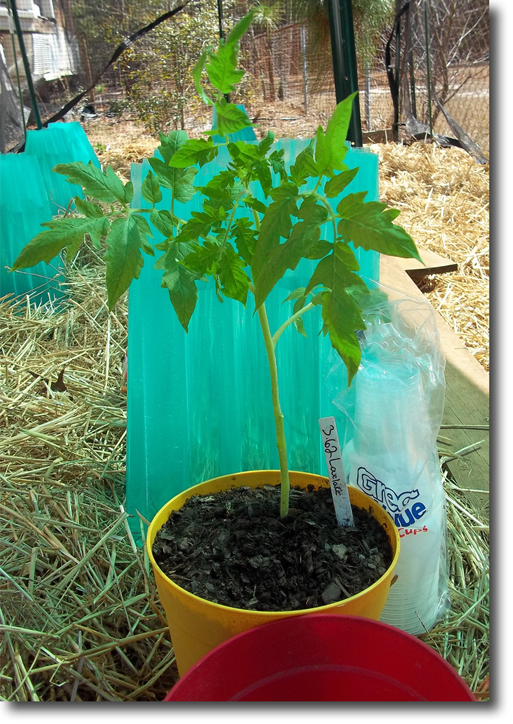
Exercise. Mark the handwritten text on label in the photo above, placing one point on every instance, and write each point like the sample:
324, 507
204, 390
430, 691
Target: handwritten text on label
337, 478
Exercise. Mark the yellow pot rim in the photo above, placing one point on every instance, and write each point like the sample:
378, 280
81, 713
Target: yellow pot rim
220, 606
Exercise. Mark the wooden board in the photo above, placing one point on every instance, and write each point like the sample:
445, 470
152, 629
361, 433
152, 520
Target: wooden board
466, 397
433, 264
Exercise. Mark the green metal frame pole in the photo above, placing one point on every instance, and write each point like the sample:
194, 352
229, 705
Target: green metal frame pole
26, 64
344, 61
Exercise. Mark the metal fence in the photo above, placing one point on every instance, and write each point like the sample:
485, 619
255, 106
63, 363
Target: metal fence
440, 53
434, 55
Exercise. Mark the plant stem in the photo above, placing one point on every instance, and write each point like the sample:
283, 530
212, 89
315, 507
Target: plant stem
289, 321
278, 414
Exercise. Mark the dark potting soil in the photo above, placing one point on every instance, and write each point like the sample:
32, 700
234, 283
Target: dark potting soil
232, 548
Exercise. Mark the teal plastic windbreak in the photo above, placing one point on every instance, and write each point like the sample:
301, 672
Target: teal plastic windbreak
24, 206
199, 404
30, 194
60, 143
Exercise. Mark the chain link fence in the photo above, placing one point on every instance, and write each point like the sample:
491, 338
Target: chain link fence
430, 64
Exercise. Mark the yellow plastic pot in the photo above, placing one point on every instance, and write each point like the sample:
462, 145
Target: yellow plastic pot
197, 626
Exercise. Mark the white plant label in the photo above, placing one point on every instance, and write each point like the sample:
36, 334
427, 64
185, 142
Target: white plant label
336, 475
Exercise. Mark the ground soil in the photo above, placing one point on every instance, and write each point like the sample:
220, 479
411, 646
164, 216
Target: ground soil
232, 548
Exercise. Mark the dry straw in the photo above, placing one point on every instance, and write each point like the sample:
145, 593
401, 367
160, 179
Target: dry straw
443, 196
79, 613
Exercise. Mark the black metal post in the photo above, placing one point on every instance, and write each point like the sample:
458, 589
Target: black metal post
26, 64
221, 32
220, 18
428, 66
344, 61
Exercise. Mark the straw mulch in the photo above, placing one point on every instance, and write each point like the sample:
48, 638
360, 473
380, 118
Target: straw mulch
443, 196
79, 613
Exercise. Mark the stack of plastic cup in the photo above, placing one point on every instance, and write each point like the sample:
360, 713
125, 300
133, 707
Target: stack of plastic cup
414, 599
392, 459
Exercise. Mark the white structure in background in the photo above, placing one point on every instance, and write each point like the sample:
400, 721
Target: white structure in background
48, 35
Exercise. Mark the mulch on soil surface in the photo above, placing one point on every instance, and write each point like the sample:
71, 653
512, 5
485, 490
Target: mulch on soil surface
232, 548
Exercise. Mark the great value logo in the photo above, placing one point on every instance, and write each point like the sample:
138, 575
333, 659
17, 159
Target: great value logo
405, 508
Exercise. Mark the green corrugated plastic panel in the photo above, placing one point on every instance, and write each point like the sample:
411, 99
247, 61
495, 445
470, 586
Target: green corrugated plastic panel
199, 404
24, 206
31, 193
60, 143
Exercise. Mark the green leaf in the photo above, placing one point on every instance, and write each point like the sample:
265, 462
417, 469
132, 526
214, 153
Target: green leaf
371, 228
179, 180
199, 226
240, 150
196, 74
276, 223
341, 317
254, 203
180, 282
164, 222
171, 143
285, 256
351, 204
203, 260
244, 236
340, 265
338, 183
230, 118
223, 180
295, 294
99, 228
320, 249
101, 186
304, 166
298, 323
265, 144
200, 151
65, 232
123, 257
150, 189
184, 190
129, 192
263, 173
232, 276
240, 29
330, 148
92, 211
221, 68
391, 214
340, 312
143, 225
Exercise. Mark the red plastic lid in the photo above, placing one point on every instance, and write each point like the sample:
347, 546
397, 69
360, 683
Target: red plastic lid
322, 657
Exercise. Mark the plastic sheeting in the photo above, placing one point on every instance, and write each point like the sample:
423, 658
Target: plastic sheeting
60, 143
30, 194
199, 404
24, 205
393, 412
